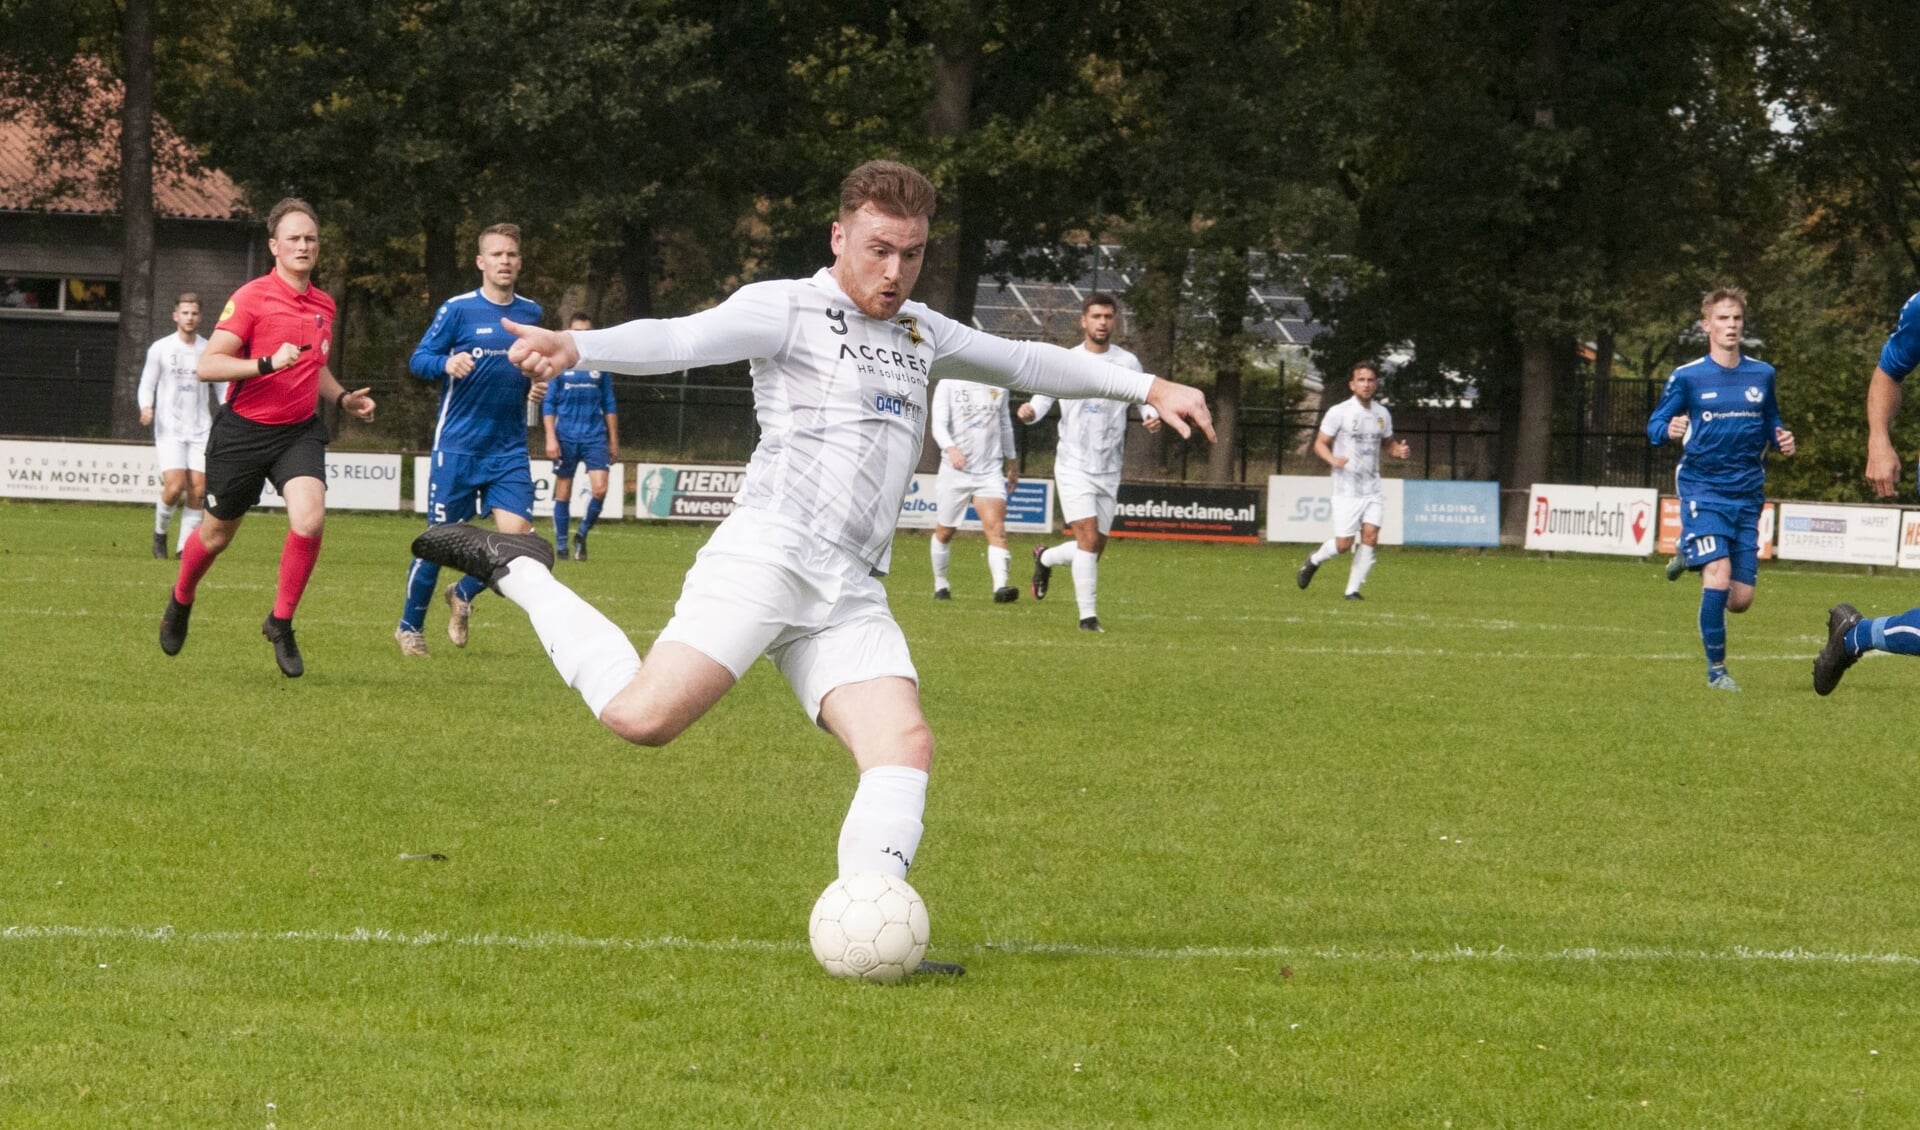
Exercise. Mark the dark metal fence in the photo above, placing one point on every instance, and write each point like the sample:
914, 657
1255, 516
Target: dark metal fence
1600, 437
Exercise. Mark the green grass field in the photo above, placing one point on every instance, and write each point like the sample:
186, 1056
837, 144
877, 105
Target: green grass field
1480, 851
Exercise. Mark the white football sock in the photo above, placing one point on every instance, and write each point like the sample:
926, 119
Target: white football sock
1362, 561
882, 829
1328, 550
998, 557
942, 554
1059, 555
188, 524
1086, 581
590, 651
162, 514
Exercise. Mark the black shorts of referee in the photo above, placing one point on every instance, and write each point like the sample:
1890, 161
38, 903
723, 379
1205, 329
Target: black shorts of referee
242, 455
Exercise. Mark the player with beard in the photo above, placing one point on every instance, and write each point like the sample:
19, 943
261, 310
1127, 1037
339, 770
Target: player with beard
841, 363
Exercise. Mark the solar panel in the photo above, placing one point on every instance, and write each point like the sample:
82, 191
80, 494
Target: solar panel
1048, 309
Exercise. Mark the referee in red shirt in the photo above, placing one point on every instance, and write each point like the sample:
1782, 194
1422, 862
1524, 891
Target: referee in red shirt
272, 344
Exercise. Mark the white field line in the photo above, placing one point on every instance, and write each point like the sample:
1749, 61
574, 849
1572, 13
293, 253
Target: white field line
167, 935
1692, 655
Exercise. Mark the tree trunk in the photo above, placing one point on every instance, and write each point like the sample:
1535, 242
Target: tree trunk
137, 215
956, 64
1230, 302
1223, 458
442, 260
636, 266
1156, 318
1533, 434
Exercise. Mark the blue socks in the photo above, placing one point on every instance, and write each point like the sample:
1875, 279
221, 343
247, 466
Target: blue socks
593, 515
562, 515
469, 588
422, 578
1713, 627
1898, 634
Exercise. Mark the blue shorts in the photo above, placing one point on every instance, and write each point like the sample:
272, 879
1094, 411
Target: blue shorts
1712, 529
466, 486
592, 452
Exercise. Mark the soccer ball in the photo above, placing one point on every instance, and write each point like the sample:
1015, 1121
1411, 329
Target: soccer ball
871, 926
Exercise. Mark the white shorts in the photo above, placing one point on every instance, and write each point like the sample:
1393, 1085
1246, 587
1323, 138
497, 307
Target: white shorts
1349, 514
763, 587
1087, 496
953, 490
174, 454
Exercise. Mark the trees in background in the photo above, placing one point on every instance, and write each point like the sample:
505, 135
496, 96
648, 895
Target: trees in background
1530, 176
1485, 186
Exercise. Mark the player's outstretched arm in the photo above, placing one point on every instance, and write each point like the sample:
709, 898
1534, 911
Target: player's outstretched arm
1183, 407
540, 353
1883, 462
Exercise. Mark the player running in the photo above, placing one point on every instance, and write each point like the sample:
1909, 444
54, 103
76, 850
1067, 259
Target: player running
840, 364
271, 346
1849, 634
174, 401
1725, 407
479, 461
973, 427
583, 426
1349, 441
1086, 465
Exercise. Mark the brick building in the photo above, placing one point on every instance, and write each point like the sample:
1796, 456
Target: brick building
60, 252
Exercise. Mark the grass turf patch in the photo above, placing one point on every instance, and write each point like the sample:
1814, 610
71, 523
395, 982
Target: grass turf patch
1482, 848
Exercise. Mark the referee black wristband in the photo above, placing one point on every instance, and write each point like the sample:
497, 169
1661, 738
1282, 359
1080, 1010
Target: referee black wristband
266, 365
340, 401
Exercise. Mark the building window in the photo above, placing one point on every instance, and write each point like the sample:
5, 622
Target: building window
69, 296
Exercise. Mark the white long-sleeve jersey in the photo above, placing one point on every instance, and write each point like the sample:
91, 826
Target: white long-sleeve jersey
841, 398
1093, 432
976, 418
171, 386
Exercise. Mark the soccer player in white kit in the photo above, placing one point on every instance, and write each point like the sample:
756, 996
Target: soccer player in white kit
840, 365
173, 400
973, 426
1087, 464
1350, 440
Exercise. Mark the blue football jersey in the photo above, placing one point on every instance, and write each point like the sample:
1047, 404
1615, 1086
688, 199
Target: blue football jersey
1902, 351
579, 400
485, 411
1733, 414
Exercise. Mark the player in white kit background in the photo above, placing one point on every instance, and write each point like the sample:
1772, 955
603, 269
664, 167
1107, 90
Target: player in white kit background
973, 426
1087, 464
179, 407
841, 364
1351, 438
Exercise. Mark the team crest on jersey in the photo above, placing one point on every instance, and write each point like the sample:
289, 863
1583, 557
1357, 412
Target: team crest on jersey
227, 310
912, 326
839, 320
1753, 395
